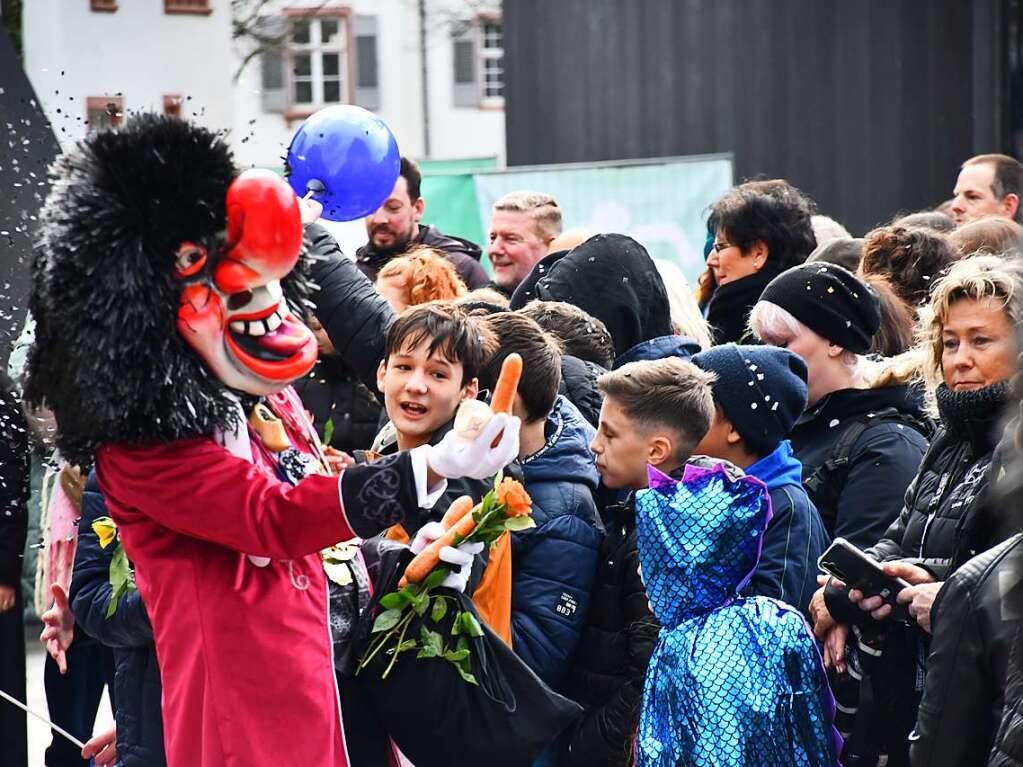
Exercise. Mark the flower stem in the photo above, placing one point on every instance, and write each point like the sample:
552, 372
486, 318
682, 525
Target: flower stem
401, 638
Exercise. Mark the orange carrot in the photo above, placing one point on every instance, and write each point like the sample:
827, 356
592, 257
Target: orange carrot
429, 558
507, 384
458, 509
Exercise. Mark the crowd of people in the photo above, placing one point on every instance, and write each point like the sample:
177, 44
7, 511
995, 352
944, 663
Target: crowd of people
690, 453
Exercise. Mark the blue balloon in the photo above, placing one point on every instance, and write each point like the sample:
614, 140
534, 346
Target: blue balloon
348, 158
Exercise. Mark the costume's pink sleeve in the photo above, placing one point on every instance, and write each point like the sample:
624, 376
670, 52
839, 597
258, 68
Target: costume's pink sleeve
198, 489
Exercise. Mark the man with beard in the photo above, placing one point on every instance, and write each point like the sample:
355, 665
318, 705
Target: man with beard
394, 228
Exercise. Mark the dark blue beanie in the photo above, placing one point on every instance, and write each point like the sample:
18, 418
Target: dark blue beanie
760, 389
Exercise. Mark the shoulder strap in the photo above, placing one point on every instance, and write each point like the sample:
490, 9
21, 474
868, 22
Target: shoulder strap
824, 484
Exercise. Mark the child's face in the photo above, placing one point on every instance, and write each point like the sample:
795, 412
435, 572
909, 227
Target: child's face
421, 391
623, 450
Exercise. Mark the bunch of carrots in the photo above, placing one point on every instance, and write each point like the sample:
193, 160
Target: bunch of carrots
459, 521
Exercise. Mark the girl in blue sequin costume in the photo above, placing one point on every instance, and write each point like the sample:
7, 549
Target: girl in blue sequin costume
733, 681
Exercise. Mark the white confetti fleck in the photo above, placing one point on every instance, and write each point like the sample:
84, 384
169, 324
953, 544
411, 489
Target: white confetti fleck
834, 423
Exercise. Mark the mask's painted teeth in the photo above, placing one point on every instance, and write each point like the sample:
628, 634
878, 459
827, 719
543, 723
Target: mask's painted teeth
257, 327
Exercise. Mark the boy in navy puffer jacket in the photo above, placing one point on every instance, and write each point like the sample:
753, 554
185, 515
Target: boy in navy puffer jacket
553, 564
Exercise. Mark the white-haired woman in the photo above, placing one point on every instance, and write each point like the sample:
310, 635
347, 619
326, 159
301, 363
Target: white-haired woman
860, 444
969, 352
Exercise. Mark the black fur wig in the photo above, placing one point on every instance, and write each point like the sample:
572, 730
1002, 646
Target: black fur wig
108, 359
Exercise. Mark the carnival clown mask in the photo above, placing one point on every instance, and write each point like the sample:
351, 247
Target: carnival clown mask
233, 311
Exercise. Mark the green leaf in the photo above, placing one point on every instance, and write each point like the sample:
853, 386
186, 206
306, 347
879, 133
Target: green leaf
456, 655
466, 675
470, 625
388, 619
456, 626
431, 644
440, 609
498, 477
394, 601
408, 644
518, 524
421, 604
328, 431
463, 643
435, 578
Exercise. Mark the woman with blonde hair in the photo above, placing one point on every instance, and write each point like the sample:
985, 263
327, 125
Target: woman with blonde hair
423, 274
969, 348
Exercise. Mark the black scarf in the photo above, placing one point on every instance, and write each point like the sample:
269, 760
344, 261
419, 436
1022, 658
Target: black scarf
730, 306
974, 416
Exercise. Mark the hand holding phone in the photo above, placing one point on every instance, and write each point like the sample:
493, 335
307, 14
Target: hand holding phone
858, 571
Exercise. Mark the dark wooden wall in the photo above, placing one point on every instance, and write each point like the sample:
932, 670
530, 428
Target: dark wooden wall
868, 105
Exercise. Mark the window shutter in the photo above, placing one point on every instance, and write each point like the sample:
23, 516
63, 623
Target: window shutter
367, 76
466, 74
274, 87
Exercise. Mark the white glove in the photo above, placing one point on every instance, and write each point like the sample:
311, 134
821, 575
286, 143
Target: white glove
460, 556
456, 456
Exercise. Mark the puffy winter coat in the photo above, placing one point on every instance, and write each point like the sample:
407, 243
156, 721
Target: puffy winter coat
610, 663
553, 564
658, 349
882, 461
973, 629
463, 255
137, 687
795, 537
579, 386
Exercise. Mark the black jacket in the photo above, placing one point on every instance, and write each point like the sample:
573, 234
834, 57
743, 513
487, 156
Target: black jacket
730, 306
614, 650
579, 386
137, 686
882, 462
463, 255
966, 670
331, 392
354, 316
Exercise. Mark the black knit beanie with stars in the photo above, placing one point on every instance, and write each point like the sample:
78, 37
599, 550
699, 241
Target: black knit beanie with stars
830, 301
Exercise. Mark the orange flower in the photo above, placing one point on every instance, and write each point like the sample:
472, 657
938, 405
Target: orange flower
513, 496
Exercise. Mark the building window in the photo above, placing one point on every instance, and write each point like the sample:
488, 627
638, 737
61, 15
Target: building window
317, 52
108, 6
492, 62
478, 56
104, 112
187, 6
172, 104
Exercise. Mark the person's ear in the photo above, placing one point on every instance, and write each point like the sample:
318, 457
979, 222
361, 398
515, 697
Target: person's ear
418, 207
1010, 205
758, 252
660, 449
733, 437
471, 389
381, 374
835, 351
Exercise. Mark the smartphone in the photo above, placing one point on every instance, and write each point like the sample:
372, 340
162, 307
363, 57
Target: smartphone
854, 568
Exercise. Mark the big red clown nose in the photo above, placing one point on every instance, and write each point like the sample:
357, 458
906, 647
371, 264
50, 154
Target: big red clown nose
264, 232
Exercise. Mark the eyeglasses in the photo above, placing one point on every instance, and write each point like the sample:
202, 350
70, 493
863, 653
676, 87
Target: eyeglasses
717, 247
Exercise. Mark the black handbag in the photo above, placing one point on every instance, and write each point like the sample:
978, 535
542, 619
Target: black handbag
436, 717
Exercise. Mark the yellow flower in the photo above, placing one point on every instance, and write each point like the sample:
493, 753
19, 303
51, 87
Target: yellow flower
513, 496
106, 529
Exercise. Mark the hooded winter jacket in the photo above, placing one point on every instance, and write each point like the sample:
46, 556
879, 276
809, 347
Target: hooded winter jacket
882, 462
463, 255
733, 680
658, 348
137, 686
331, 393
553, 564
795, 536
611, 277
579, 386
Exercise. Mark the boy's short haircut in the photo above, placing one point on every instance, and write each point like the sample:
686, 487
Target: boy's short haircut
581, 334
669, 393
450, 332
541, 362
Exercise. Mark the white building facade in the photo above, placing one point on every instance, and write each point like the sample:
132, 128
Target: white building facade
94, 61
